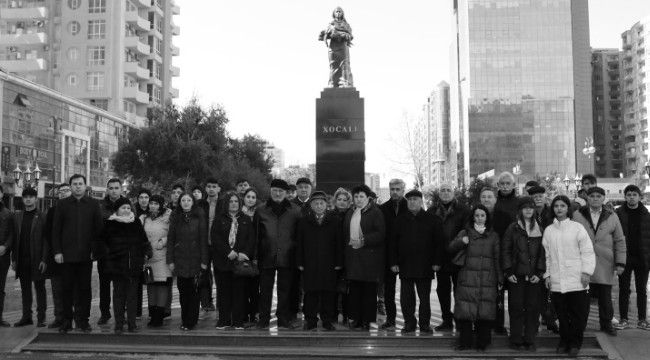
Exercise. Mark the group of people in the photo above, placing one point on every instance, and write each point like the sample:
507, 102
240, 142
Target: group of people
332, 255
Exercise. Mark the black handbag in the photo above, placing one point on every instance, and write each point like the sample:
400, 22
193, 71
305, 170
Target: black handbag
245, 268
203, 280
147, 275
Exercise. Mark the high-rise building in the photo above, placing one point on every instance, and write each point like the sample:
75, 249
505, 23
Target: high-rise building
277, 156
635, 104
521, 86
113, 54
439, 166
608, 121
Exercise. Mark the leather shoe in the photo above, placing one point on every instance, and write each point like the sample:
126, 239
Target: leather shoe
445, 326
55, 324
408, 330
309, 326
4, 324
85, 328
24, 322
388, 326
103, 320
328, 326
501, 331
426, 330
573, 352
609, 331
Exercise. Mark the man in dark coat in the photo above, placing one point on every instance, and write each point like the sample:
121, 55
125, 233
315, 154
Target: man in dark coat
29, 258
319, 256
211, 207
635, 220
54, 269
391, 210
6, 240
507, 196
303, 193
113, 193
277, 246
75, 234
414, 253
454, 217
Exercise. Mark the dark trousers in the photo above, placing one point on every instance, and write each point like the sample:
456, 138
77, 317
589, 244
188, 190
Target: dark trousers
189, 298
5, 261
205, 293
640, 283
26, 292
77, 292
605, 307
319, 303
57, 296
104, 290
524, 303
466, 330
572, 312
363, 301
446, 280
390, 281
231, 296
139, 298
407, 301
252, 298
295, 293
267, 279
125, 297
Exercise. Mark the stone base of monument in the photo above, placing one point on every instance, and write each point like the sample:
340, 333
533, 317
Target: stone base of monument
291, 344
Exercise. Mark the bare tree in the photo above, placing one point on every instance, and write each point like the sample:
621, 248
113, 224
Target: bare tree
410, 157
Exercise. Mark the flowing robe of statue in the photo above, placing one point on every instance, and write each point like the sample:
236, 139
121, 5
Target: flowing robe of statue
338, 38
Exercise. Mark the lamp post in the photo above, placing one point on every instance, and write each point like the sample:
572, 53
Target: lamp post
589, 148
27, 177
567, 182
577, 181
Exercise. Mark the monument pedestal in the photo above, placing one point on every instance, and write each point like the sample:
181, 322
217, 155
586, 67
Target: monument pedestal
340, 139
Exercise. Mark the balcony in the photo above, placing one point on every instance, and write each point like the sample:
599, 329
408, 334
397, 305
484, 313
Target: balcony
39, 38
627, 47
133, 42
136, 70
176, 30
176, 10
175, 50
154, 80
143, 3
26, 13
24, 65
134, 18
173, 92
155, 56
133, 93
176, 71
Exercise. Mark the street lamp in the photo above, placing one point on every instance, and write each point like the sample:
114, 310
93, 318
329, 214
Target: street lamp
589, 148
567, 182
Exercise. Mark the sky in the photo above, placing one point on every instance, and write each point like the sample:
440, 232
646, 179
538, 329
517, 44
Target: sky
262, 61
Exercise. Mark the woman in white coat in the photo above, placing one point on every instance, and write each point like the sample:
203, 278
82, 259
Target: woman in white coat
156, 225
570, 262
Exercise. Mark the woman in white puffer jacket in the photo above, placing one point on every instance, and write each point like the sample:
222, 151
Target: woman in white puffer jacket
570, 262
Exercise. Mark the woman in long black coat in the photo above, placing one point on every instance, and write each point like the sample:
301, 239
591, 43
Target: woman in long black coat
127, 245
478, 280
364, 233
319, 256
233, 240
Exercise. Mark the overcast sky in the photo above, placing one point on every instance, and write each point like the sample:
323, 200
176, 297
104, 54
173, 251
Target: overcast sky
261, 60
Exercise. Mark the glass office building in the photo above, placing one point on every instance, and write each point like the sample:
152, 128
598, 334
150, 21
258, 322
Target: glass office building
62, 135
521, 86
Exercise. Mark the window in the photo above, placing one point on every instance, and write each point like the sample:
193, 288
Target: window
157, 95
97, 29
73, 54
96, 6
96, 55
74, 4
74, 27
72, 80
95, 80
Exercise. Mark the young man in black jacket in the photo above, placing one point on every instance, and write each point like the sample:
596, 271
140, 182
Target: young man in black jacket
29, 258
75, 234
113, 193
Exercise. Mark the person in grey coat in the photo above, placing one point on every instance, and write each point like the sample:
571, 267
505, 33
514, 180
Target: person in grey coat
606, 233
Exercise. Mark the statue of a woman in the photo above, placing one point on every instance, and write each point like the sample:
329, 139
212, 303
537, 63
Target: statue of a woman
339, 34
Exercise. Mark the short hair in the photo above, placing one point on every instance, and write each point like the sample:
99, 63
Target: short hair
241, 180
488, 188
446, 185
632, 188
565, 200
212, 180
113, 180
178, 186
488, 220
76, 176
362, 189
342, 191
506, 174
396, 182
62, 185
589, 177
144, 191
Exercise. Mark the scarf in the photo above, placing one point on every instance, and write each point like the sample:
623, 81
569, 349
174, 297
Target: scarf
250, 211
232, 236
355, 229
535, 232
479, 228
127, 219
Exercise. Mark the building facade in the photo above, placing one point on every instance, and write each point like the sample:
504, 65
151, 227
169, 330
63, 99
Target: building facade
608, 120
113, 54
635, 104
58, 134
521, 86
439, 166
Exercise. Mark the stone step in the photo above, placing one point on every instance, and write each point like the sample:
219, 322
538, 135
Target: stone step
294, 344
